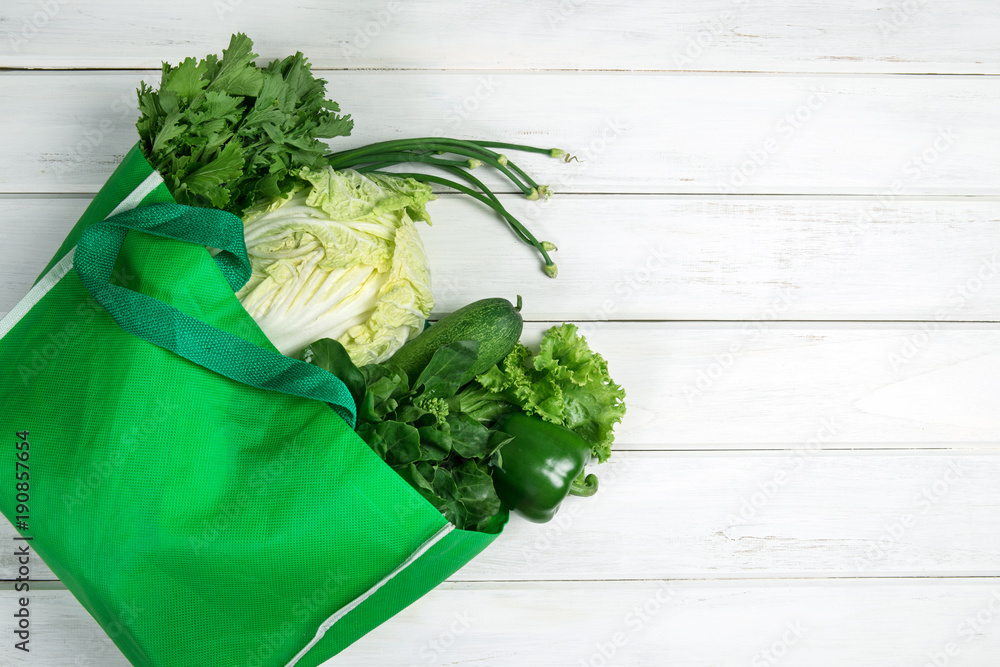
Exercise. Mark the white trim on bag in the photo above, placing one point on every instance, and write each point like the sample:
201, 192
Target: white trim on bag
36, 293
56, 273
346, 609
136, 196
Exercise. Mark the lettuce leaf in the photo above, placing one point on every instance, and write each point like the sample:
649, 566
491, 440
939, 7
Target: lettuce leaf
566, 383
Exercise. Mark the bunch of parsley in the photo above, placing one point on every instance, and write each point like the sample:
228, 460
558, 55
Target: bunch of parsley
226, 134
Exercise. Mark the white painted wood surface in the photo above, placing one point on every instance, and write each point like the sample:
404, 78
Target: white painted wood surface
715, 35
800, 623
677, 257
635, 132
785, 249
719, 515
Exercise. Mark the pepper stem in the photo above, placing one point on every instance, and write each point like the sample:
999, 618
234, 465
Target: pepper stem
585, 485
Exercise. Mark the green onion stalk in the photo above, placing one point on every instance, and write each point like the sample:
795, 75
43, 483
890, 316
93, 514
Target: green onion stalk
457, 157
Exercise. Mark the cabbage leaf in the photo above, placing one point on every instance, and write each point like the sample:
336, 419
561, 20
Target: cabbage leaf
340, 257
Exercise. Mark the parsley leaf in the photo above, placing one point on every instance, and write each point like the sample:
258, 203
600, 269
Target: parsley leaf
225, 133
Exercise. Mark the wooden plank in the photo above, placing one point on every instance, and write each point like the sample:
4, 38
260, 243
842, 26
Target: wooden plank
31, 230
813, 623
791, 514
807, 624
766, 385
719, 515
783, 385
638, 133
684, 258
727, 258
865, 36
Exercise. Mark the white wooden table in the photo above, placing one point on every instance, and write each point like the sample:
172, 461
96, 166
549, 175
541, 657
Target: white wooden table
783, 235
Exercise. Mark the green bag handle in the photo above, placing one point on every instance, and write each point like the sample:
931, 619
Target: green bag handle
167, 327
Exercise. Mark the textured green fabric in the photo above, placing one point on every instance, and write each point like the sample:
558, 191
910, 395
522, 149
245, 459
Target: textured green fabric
201, 520
437, 564
129, 173
166, 326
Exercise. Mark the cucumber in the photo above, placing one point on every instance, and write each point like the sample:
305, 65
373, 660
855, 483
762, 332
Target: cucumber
495, 322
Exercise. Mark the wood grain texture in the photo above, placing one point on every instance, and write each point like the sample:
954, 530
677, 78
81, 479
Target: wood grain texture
724, 515
727, 133
811, 623
774, 385
759, 258
703, 386
717, 35
764, 384
785, 250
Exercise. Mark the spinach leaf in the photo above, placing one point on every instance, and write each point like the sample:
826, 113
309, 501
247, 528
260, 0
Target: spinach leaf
444, 373
423, 434
469, 438
330, 355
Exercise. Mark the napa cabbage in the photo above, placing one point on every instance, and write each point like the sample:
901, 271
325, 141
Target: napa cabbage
340, 257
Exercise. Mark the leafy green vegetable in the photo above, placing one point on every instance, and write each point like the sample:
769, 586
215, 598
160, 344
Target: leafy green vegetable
463, 493
386, 386
565, 383
442, 452
331, 355
224, 133
340, 257
471, 155
447, 440
443, 375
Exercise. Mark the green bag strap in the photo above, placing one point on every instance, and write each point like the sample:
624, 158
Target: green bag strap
167, 327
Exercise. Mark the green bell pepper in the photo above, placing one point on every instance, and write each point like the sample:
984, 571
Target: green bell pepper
540, 466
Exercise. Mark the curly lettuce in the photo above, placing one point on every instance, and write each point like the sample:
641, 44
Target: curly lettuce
566, 383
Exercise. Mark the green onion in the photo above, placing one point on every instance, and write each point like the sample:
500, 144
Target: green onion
434, 151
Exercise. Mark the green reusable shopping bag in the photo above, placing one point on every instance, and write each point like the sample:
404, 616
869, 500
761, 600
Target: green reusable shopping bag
204, 497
